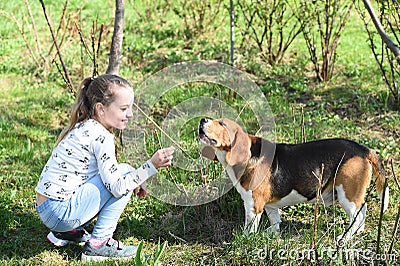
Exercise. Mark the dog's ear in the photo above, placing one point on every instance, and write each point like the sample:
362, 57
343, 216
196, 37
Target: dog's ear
239, 154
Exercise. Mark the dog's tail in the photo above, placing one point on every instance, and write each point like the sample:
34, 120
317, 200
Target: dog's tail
379, 173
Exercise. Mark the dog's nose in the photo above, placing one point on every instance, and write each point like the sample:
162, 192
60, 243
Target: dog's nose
203, 121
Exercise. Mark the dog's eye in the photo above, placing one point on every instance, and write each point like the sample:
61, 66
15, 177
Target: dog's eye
221, 123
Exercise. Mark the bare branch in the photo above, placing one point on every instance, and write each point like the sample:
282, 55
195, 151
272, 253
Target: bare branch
66, 75
13, 19
385, 38
35, 31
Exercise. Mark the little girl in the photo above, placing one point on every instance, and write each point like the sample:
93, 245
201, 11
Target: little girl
82, 179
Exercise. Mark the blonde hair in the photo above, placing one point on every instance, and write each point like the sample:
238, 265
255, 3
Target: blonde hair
91, 91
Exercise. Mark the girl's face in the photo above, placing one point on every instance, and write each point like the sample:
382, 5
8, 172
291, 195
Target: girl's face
116, 115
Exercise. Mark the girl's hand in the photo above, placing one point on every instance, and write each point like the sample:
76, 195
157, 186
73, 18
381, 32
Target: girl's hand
140, 191
163, 157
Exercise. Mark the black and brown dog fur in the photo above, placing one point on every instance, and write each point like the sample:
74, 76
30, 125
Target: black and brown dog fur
272, 175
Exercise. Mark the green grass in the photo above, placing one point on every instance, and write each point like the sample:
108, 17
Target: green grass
34, 107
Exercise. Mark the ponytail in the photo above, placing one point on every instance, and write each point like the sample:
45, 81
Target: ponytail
80, 110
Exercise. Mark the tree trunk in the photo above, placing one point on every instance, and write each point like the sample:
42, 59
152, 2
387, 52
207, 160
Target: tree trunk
116, 44
390, 44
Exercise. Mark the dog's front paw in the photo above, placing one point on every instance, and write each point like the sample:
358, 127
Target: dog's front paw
249, 230
274, 230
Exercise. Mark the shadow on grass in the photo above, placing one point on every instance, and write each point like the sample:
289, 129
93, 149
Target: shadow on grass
23, 236
212, 224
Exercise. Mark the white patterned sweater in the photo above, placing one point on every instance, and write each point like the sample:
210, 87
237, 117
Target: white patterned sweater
87, 150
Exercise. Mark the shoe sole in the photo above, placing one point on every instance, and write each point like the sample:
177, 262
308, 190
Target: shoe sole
56, 241
89, 258
60, 242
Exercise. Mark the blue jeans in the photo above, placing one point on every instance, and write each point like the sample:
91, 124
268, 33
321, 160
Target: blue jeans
90, 199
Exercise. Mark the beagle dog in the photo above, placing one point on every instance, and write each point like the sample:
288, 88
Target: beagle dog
269, 175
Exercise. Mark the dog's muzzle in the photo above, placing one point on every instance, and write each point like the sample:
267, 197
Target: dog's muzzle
202, 133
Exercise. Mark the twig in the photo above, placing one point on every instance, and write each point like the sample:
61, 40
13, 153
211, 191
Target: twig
394, 175
59, 25
99, 41
13, 19
93, 37
96, 71
69, 82
396, 225
232, 31
162, 131
83, 41
294, 123
316, 209
177, 237
242, 109
391, 85
378, 240
303, 129
182, 190
35, 31
333, 189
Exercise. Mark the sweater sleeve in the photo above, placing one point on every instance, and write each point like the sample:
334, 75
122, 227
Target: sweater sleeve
119, 179
137, 176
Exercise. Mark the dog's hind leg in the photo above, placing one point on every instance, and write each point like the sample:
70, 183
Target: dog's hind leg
356, 216
352, 181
